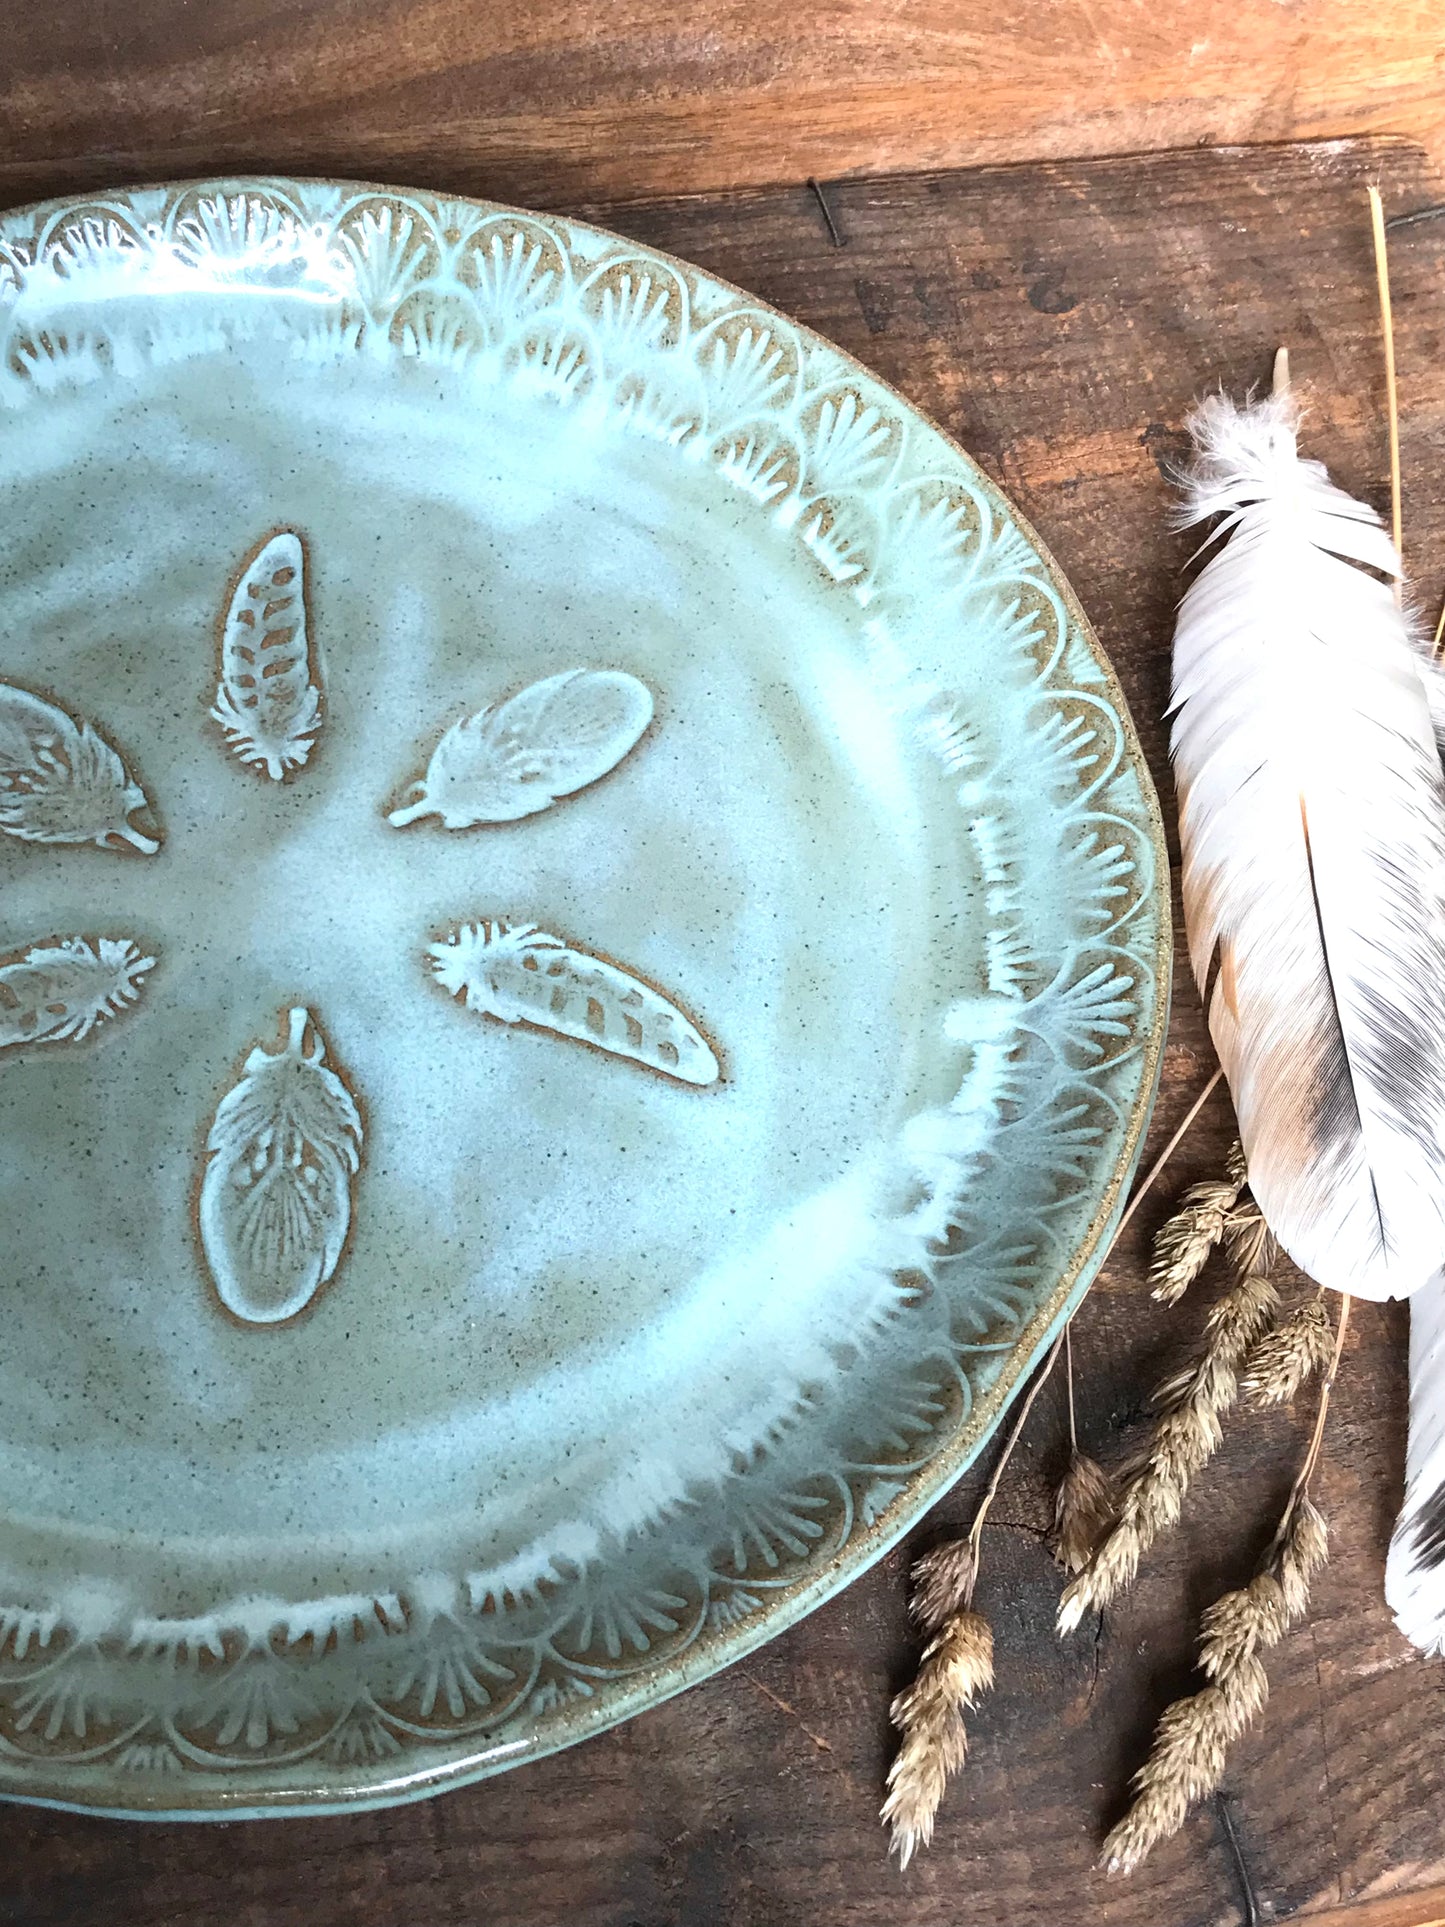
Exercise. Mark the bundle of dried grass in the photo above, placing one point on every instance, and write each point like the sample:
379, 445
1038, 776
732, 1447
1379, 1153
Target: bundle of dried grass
956, 1664
1186, 1432
1194, 1734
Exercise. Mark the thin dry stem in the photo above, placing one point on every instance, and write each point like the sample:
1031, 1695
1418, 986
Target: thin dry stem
991, 1490
1290, 1354
957, 1666
1146, 1183
1069, 1384
1392, 400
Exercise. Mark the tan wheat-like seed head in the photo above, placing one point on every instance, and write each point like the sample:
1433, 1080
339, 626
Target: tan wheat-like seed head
1084, 1509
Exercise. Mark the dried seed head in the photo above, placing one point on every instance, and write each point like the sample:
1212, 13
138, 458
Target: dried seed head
1185, 1763
1235, 1168
943, 1581
1183, 1243
957, 1666
1239, 1317
1084, 1509
1284, 1358
1188, 1436
1239, 1625
1304, 1548
1193, 1736
1110, 1571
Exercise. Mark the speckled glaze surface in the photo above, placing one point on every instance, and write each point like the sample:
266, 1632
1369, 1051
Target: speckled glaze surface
582, 967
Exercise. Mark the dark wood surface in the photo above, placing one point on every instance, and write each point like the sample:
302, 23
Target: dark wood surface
556, 99
1057, 319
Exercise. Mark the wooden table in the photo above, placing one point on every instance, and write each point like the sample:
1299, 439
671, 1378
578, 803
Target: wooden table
1057, 318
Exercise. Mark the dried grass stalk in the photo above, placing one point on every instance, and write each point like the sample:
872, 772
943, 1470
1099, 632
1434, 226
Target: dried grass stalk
956, 1667
1084, 1509
957, 1662
1192, 1741
1185, 1436
1290, 1354
1183, 1243
1194, 1735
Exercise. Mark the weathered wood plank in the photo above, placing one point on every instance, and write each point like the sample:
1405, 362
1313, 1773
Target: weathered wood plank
548, 104
1058, 319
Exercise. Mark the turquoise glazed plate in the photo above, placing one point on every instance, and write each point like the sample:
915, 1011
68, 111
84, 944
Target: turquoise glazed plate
582, 967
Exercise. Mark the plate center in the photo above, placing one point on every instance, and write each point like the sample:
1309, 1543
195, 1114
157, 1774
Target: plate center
571, 1289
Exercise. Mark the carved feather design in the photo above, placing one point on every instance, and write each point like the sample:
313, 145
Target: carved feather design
550, 740
57, 993
521, 975
276, 1198
267, 702
60, 781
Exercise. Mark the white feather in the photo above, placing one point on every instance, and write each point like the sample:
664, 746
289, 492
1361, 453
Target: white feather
1415, 1571
1312, 821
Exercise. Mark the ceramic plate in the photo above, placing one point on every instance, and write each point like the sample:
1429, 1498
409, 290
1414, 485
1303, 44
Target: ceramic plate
581, 973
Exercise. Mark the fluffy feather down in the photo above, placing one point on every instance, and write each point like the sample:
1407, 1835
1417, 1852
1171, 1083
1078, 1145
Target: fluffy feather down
1312, 817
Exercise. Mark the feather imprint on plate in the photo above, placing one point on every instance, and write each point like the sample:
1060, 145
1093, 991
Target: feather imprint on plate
519, 974
276, 1197
267, 701
56, 993
518, 757
1312, 822
61, 781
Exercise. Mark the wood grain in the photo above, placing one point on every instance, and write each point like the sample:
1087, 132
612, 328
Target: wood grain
547, 104
1058, 320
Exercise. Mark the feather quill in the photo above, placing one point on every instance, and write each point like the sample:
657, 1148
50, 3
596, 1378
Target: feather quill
1312, 821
